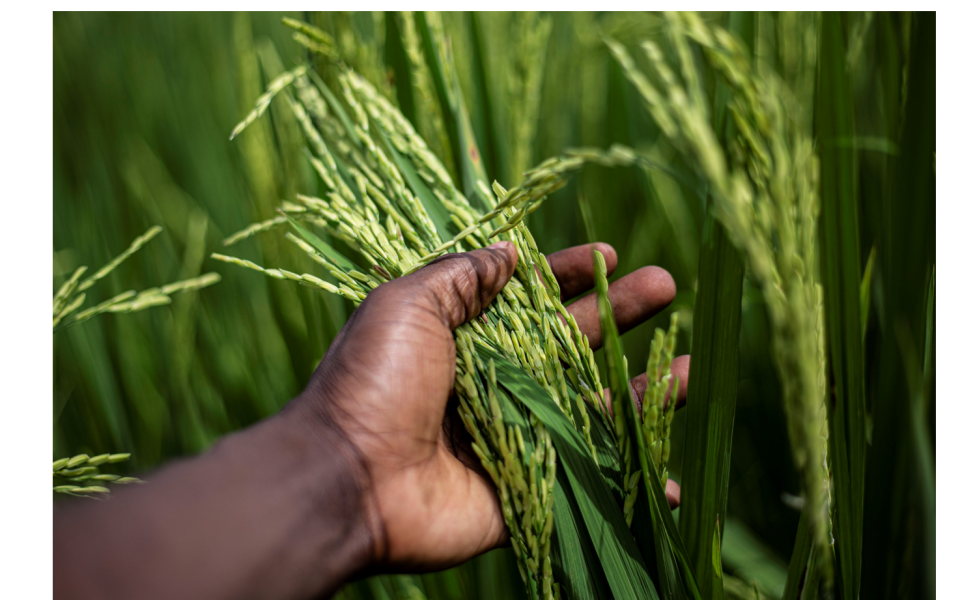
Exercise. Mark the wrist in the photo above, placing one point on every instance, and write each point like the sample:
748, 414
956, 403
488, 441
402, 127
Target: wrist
274, 511
346, 476
337, 530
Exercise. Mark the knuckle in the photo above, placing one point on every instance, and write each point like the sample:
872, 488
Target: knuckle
456, 285
377, 295
465, 288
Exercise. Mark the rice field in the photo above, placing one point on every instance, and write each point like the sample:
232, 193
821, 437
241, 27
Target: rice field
781, 166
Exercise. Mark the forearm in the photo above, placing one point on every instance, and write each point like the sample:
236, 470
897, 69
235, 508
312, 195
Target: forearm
276, 510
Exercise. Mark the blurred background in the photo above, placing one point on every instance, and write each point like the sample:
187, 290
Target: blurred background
143, 108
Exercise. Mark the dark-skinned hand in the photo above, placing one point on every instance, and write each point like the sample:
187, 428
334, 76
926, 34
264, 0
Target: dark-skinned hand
387, 380
367, 471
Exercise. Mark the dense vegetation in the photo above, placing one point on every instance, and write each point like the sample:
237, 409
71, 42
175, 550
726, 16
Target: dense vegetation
824, 123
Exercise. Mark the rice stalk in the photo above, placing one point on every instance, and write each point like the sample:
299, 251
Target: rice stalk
359, 40
657, 419
767, 200
389, 225
256, 228
84, 476
429, 119
71, 294
81, 472
113, 264
369, 142
65, 292
312, 37
263, 102
131, 301
347, 291
524, 85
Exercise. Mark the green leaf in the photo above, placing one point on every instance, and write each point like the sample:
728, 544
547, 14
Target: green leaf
811, 591
750, 559
714, 374
800, 561
711, 400
440, 216
621, 396
455, 115
673, 570
378, 589
717, 562
603, 517
489, 139
398, 64
926, 467
338, 109
899, 546
865, 292
578, 568
839, 231
661, 509
932, 373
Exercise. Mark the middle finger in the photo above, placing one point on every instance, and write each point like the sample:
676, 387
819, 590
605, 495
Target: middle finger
635, 298
573, 267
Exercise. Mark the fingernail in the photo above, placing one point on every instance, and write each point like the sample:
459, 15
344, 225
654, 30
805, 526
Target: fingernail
502, 244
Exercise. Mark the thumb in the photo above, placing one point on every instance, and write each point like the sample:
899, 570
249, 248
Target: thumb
458, 286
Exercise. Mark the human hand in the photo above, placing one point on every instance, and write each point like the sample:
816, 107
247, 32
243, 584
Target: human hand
385, 389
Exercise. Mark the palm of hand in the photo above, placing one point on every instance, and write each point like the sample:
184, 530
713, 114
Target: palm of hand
387, 381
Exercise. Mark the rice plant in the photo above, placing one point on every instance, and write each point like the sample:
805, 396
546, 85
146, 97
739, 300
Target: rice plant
786, 147
79, 475
528, 322
371, 159
765, 186
768, 203
72, 294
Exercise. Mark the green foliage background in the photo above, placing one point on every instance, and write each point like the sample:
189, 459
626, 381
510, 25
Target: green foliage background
143, 107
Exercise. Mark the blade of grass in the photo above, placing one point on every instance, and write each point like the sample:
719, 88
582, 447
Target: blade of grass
923, 416
897, 550
711, 400
497, 575
399, 65
750, 558
440, 216
578, 568
675, 574
459, 130
489, 140
840, 276
932, 361
865, 292
647, 526
714, 370
800, 561
660, 510
615, 546
919, 381
338, 109
814, 579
